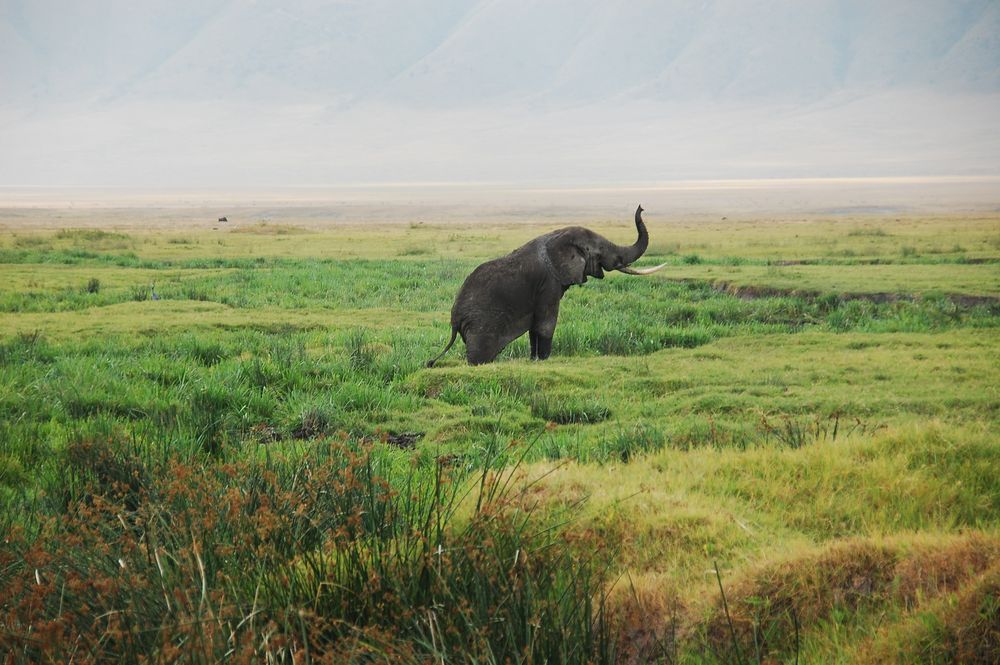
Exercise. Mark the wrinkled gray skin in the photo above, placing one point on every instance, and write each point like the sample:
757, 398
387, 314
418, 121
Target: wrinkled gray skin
506, 297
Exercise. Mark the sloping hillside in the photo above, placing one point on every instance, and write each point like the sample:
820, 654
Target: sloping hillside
312, 92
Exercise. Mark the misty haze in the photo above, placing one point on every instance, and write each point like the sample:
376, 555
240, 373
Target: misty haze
232, 94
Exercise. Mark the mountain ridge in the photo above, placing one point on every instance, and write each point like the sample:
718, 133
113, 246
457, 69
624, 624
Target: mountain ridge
226, 92
468, 52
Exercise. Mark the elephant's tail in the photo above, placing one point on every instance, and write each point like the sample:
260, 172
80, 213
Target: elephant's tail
454, 334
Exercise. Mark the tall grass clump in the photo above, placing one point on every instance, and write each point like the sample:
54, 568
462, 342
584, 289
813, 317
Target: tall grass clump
26, 348
328, 555
566, 409
627, 444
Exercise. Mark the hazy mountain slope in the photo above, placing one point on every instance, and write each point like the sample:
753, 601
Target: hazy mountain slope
306, 50
680, 51
219, 49
82, 51
974, 60
447, 52
229, 92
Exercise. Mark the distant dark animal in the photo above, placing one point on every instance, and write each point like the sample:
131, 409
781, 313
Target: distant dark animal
153, 293
506, 297
223, 219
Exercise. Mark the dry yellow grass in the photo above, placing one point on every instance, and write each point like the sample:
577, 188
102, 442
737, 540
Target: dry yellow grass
470, 233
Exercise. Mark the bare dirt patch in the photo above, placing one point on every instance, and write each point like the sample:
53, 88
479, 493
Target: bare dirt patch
750, 292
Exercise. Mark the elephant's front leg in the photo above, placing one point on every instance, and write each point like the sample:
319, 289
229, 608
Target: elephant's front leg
544, 347
543, 328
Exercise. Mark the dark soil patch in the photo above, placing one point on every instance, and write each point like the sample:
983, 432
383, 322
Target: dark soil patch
980, 260
401, 440
265, 433
749, 292
973, 301
311, 425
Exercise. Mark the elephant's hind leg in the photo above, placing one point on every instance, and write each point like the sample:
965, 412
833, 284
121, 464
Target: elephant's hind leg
481, 349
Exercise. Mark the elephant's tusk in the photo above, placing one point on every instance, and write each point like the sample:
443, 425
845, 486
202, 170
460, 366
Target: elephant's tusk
642, 271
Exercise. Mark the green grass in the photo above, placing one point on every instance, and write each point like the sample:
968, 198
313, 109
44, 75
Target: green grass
924, 279
784, 398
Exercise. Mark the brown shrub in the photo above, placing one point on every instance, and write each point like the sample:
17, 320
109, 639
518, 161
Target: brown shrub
645, 623
765, 606
972, 628
928, 571
961, 627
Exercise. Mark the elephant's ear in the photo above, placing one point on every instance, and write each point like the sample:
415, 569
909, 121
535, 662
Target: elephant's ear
569, 261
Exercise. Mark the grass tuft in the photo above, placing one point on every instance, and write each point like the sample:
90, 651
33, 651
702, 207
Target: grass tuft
564, 409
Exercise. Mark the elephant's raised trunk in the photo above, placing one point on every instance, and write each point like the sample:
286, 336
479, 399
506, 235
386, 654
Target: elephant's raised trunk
633, 252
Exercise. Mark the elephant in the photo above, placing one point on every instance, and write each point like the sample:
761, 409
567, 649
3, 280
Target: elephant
506, 297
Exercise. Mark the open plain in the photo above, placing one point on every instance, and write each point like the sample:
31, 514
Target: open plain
219, 438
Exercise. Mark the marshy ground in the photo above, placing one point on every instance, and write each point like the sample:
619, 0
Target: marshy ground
255, 462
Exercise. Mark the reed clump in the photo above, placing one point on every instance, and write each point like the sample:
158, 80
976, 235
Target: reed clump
332, 556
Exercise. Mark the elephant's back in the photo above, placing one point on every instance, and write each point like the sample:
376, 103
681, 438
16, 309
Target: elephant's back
498, 285
480, 283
